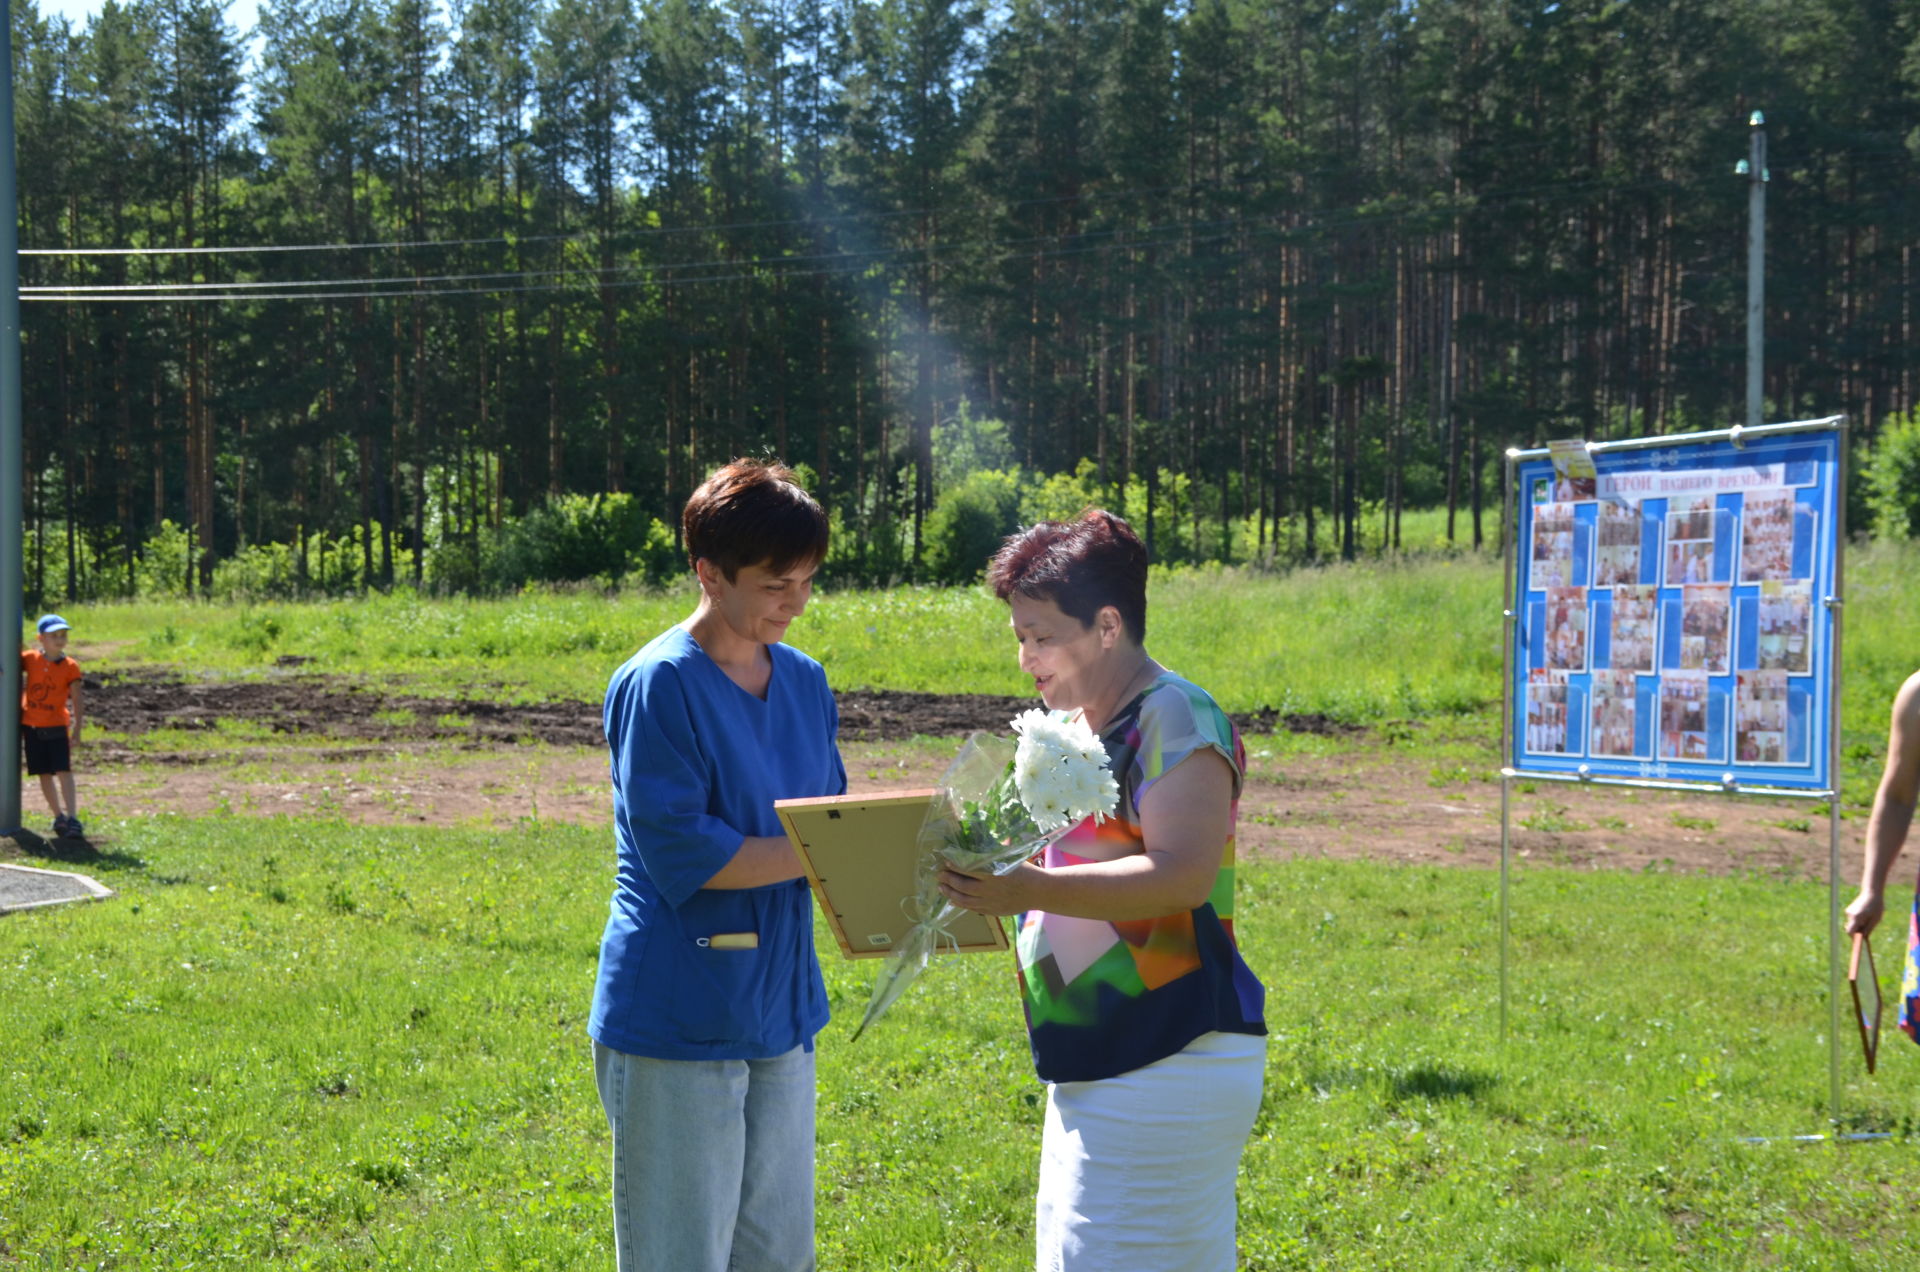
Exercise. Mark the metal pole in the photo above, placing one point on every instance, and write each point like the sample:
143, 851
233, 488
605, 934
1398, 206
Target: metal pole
1510, 534
1755, 169
1836, 601
12, 503
1506, 787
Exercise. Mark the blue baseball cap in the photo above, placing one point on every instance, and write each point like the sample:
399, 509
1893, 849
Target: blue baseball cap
51, 623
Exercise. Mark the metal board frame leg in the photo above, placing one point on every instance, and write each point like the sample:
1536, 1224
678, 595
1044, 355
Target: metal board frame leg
1506, 786
1835, 987
1509, 533
1835, 603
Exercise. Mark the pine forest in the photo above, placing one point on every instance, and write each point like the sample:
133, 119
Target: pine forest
467, 295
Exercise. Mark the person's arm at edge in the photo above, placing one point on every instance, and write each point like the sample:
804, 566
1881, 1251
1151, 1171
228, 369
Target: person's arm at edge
74, 705
1893, 806
1185, 819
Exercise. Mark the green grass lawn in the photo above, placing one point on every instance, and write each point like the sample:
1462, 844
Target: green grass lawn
310, 1045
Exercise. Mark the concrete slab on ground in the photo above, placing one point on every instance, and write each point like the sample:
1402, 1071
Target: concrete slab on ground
29, 887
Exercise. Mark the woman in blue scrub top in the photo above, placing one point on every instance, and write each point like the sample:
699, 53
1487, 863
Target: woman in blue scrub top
709, 994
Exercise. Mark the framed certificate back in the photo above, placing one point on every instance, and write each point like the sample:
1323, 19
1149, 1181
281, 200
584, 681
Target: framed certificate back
860, 853
1866, 1001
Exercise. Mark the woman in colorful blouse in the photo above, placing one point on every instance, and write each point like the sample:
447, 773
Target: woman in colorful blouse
1145, 1022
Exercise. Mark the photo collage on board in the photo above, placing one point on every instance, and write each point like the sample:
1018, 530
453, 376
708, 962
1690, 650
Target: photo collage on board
1690, 540
1547, 732
1683, 715
1671, 614
1615, 714
1617, 563
1776, 560
1706, 623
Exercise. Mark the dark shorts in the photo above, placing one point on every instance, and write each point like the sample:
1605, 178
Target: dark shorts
46, 749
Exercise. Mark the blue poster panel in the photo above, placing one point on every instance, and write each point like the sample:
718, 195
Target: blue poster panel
1671, 616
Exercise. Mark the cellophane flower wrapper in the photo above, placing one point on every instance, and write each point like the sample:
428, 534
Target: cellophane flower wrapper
980, 823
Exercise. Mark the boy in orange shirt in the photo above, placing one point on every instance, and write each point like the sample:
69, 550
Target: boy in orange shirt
50, 720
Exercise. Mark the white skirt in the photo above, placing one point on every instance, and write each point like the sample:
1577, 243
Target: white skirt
1137, 1171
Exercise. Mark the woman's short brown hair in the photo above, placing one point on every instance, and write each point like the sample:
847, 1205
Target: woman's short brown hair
1081, 565
753, 512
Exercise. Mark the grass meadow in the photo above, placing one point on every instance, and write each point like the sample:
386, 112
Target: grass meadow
1365, 643
1360, 642
306, 1044
1378, 644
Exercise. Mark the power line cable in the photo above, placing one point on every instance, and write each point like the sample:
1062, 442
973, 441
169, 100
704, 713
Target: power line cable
850, 266
655, 232
1095, 195
669, 272
842, 263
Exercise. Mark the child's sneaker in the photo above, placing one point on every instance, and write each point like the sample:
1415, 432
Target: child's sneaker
62, 826
74, 829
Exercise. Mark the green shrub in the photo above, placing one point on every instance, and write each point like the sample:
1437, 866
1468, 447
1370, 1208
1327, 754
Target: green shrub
1064, 496
571, 539
336, 565
968, 523
1893, 478
162, 565
254, 632
260, 571
658, 558
875, 546
461, 568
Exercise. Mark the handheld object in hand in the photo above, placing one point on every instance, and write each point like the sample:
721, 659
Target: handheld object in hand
1866, 1001
861, 854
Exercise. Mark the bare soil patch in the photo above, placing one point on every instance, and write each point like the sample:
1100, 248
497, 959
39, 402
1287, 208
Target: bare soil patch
1376, 804
299, 703
381, 755
305, 705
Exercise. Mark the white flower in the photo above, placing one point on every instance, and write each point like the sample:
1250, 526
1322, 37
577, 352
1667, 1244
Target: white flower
1060, 770
1047, 811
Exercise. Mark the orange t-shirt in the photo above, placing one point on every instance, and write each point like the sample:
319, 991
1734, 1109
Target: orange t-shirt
43, 689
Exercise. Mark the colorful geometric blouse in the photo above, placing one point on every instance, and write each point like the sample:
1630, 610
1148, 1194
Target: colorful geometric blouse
1910, 976
1103, 998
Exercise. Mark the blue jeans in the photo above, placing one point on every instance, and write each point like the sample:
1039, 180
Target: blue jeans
712, 1161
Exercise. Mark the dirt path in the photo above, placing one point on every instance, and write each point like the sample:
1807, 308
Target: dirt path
300, 745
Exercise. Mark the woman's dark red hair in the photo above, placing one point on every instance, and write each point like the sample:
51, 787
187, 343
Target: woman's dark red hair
1081, 565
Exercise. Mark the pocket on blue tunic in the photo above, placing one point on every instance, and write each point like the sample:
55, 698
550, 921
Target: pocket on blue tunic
723, 996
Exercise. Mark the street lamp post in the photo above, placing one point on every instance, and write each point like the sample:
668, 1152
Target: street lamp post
1754, 169
12, 502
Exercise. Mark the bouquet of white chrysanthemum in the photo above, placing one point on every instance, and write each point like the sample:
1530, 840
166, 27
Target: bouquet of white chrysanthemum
1060, 770
999, 803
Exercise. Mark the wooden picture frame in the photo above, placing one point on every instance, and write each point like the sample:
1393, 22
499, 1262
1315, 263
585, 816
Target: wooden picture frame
860, 853
1869, 1021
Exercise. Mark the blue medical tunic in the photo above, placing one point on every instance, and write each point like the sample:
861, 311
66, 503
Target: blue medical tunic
697, 762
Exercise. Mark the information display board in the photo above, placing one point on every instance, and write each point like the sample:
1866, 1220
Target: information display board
1670, 616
